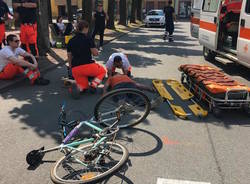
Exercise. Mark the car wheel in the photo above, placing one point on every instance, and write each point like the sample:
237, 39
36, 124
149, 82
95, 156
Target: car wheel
208, 54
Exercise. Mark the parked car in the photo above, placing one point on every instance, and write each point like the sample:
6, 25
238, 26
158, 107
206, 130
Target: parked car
155, 18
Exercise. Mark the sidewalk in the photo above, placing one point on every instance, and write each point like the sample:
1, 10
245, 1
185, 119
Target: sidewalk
57, 56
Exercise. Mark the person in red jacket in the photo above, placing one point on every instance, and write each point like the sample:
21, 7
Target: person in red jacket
119, 81
4, 11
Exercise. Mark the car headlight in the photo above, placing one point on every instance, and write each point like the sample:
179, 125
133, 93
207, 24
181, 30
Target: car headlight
162, 19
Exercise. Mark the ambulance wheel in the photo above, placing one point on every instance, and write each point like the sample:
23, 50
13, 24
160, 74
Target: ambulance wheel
182, 78
247, 109
208, 54
216, 111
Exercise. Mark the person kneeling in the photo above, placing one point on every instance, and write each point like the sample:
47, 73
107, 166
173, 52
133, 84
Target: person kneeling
11, 65
80, 50
118, 60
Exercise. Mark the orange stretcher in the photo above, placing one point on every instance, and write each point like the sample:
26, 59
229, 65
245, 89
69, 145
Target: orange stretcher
215, 87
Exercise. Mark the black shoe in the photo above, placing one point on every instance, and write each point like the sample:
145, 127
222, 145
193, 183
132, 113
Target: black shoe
74, 91
92, 90
41, 81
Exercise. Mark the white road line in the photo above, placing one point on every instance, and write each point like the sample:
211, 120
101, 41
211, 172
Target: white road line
170, 181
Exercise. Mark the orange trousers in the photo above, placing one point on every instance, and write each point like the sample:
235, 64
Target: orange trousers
82, 72
11, 70
28, 37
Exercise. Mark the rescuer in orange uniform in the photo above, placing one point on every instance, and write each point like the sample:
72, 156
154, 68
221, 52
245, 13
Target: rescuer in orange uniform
26, 10
11, 64
80, 50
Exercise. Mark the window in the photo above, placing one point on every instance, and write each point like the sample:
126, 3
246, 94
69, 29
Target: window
62, 10
197, 4
161, 4
74, 9
210, 5
248, 6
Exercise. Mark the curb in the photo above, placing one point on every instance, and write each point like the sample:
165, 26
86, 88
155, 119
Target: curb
9, 85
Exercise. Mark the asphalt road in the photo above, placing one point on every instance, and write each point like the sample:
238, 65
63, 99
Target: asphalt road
208, 150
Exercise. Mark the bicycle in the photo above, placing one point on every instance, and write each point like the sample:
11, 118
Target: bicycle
133, 105
88, 163
92, 163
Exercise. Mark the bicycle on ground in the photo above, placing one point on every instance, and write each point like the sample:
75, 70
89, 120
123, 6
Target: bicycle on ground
94, 159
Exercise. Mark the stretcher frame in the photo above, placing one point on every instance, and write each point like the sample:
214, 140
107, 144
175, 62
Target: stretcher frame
217, 104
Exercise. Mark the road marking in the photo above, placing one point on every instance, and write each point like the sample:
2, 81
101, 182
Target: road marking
166, 141
170, 181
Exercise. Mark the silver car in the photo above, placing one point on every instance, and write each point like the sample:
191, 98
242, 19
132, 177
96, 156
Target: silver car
155, 18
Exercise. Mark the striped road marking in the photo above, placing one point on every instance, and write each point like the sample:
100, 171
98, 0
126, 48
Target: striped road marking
169, 181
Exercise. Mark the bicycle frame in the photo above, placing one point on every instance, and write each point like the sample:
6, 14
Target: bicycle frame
63, 123
74, 144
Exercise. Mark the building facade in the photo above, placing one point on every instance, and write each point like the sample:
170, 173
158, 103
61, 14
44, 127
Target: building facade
154, 4
8, 2
59, 7
182, 7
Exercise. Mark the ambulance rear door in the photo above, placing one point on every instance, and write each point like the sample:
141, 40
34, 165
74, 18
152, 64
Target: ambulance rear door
195, 18
209, 24
243, 44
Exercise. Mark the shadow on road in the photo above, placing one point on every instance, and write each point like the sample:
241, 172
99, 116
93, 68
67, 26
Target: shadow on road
131, 138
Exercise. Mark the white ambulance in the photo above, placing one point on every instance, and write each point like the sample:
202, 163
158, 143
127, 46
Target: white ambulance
224, 30
195, 17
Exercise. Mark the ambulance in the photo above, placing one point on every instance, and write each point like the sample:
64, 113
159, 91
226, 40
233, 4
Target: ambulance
224, 30
195, 17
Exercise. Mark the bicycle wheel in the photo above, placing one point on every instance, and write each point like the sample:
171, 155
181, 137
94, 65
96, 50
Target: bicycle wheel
133, 106
87, 165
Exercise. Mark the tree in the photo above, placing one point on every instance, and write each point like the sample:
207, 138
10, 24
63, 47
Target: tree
139, 10
69, 9
123, 12
133, 11
49, 12
87, 11
43, 42
111, 20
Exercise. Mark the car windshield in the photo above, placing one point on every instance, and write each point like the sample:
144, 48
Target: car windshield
155, 12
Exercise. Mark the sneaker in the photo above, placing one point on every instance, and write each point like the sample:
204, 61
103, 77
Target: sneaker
74, 91
41, 81
170, 40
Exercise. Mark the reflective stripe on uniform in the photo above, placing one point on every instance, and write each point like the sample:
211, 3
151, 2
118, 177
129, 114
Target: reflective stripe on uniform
31, 76
26, 71
98, 81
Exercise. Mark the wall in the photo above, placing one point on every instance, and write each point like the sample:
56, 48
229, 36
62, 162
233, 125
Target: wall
155, 4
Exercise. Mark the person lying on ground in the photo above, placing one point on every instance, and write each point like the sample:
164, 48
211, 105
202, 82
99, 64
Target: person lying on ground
11, 64
120, 81
80, 50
